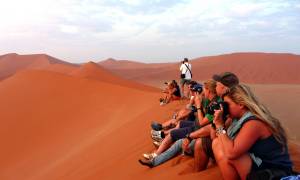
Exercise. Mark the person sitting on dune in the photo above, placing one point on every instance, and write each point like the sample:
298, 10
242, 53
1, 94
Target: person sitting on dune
172, 92
159, 131
203, 145
257, 143
186, 127
203, 149
185, 113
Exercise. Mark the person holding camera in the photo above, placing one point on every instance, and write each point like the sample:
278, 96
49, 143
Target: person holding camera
184, 127
254, 146
185, 75
203, 145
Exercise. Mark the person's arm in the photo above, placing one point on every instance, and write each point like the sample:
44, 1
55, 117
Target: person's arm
181, 67
247, 136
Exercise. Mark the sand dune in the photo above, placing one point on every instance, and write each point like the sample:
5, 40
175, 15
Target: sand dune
92, 70
256, 68
11, 63
84, 122
64, 124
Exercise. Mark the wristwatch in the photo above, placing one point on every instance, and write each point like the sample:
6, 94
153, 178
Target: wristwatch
220, 130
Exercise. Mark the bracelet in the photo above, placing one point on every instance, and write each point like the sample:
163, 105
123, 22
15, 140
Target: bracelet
220, 130
188, 137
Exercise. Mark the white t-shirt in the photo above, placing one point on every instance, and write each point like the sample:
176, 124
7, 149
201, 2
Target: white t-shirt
184, 70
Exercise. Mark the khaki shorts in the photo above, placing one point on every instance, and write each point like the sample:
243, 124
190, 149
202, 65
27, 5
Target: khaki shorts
184, 81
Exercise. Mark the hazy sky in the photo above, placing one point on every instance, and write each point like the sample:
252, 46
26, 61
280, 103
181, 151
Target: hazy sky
148, 30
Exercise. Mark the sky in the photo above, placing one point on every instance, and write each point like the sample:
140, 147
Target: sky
148, 30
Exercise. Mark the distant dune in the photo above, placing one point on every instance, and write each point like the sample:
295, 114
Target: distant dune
94, 71
255, 68
11, 63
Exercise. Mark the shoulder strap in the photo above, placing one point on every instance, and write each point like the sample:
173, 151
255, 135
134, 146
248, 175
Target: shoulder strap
188, 69
233, 130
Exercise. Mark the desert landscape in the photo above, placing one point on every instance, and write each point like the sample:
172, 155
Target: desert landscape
92, 121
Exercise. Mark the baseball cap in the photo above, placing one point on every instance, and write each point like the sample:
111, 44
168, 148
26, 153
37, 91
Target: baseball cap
227, 79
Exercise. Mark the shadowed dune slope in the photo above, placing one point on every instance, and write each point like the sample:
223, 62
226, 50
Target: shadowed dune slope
11, 63
94, 71
55, 126
266, 68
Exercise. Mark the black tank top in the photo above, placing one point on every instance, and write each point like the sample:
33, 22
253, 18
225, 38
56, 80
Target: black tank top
271, 152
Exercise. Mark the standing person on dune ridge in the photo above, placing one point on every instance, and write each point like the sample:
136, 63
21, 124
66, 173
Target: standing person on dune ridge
186, 75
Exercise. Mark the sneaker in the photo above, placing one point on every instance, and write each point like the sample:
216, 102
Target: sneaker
156, 126
145, 162
162, 103
156, 135
155, 138
156, 143
149, 156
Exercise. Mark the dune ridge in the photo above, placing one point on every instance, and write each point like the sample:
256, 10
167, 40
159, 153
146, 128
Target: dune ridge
12, 63
92, 70
254, 68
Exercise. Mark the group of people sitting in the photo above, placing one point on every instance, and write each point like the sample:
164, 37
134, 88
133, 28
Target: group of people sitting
223, 122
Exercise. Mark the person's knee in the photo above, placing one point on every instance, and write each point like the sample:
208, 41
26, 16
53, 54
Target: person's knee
198, 146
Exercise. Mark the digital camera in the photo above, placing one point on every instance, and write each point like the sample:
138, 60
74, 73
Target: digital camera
216, 106
197, 88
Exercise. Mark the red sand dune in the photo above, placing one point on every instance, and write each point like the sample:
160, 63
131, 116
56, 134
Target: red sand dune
11, 63
86, 123
261, 68
92, 70
55, 126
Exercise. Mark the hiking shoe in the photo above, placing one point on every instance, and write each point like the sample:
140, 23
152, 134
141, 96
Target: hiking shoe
156, 143
156, 126
145, 162
162, 103
157, 135
149, 156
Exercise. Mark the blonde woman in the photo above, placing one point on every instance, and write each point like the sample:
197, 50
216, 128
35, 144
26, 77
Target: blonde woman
256, 141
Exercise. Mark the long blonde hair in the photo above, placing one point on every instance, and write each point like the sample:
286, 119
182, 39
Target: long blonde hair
242, 94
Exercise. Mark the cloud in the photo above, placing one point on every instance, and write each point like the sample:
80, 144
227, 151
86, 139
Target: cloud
119, 26
69, 29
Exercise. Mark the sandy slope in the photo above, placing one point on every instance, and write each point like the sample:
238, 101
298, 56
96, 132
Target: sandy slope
55, 126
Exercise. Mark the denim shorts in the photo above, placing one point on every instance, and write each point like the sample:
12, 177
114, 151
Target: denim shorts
185, 127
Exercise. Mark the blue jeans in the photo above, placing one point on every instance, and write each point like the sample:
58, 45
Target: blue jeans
175, 149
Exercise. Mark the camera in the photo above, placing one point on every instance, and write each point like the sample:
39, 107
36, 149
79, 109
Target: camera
197, 88
216, 106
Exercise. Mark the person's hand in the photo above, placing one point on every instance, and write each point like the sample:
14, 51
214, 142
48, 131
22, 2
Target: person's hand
218, 117
198, 100
185, 144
